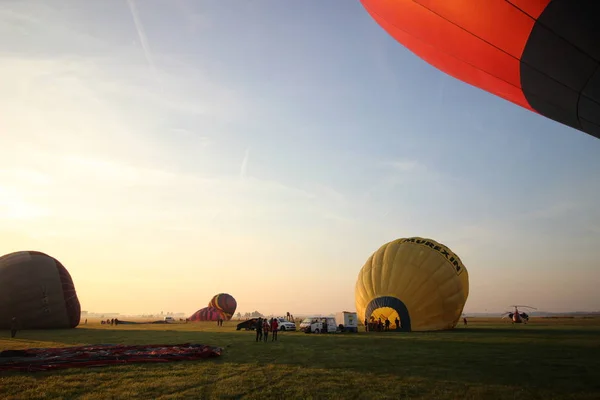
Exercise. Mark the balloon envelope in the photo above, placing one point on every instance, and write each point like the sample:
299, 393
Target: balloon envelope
224, 302
38, 290
543, 55
207, 314
420, 281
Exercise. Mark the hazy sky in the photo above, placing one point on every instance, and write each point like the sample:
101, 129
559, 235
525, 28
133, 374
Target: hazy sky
165, 151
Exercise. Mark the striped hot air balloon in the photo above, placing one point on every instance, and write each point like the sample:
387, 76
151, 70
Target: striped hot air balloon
38, 290
207, 314
224, 302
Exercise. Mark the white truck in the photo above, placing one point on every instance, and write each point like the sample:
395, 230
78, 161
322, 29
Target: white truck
318, 325
347, 321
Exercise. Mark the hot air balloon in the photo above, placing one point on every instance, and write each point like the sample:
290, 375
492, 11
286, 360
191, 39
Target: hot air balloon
224, 302
543, 55
419, 281
38, 290
207, 314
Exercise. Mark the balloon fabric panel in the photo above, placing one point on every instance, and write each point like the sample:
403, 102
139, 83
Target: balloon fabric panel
540, 54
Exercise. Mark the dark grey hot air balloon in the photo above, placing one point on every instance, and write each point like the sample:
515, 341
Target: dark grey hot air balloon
38, 290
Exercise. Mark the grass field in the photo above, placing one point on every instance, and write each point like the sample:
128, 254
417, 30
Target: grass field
546, 359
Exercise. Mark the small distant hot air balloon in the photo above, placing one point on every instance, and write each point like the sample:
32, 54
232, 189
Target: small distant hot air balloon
419, 281
224, 302
207, 314
543, 55
38, 290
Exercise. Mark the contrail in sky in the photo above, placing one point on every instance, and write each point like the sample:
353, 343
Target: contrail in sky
142, 35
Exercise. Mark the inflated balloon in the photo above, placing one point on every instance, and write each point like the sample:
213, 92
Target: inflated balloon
543, 55
419, 281
38, 290
207, 314
224, 302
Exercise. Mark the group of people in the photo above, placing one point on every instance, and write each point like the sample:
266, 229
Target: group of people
379, 325
112, 321
263, 326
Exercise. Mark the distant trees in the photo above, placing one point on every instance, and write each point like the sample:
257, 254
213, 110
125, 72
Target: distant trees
254, 314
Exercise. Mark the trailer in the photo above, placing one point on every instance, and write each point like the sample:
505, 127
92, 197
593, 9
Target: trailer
347, 321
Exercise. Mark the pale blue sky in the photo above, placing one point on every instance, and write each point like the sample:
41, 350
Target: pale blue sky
165, 151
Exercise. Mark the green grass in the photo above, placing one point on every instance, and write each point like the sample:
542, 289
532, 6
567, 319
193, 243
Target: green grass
547, 359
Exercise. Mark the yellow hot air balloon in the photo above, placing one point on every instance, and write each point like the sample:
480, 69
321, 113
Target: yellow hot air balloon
419, 281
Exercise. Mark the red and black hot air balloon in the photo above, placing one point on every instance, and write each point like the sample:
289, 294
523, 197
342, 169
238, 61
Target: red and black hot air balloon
38, 290
224, 302
207, 314
543, 55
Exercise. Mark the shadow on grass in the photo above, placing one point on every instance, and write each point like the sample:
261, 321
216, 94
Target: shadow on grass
563, 359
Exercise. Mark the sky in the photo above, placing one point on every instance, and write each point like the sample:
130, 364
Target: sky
168, 150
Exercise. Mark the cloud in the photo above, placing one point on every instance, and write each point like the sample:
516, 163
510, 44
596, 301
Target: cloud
403, 165
553, 230
339, 218
14, 206
84, 190
93, 195
395, 174
53, 43
244, 166
14, 16
76, 105
409, 170
552, 210
196, 21
88, 145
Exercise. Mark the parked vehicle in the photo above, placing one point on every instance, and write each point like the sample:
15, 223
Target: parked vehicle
285, 325
249, 324
347, 321
169, 320
318, 325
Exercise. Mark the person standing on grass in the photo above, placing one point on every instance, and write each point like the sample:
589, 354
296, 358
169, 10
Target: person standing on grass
258, 327
13, 327
266, 329
274, 329
397, 321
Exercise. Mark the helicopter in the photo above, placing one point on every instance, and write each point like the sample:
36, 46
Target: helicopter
516, 316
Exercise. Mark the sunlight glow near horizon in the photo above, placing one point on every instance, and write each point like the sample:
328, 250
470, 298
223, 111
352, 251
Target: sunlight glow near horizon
166, 157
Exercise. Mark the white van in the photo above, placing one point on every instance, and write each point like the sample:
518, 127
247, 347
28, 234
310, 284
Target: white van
316, 325
169, 320
347, 321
